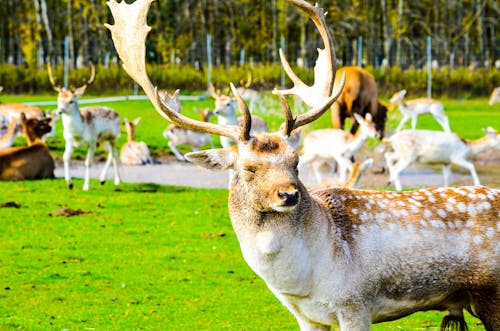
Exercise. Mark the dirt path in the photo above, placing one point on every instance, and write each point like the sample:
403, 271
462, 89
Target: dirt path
172, 172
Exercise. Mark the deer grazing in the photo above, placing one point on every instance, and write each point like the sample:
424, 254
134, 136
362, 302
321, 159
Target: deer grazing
87, 127
134, 152
436, 147
414, 108
360, 96
495, 96
177, 135
225, 109
338, 255
335, 145
28, 162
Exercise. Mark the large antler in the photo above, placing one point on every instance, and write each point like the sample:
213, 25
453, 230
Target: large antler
58, 88
129, 36
324, 70
319, 96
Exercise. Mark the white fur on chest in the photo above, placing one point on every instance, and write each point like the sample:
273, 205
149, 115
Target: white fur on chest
282, 262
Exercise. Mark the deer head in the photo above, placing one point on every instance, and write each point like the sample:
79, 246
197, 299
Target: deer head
67, 98
256, 159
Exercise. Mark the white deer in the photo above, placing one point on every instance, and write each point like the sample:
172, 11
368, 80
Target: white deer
87, 127
338, 255
414, 108
336, 145
495, 96
225, 109
436, 147
177, 135
134, 152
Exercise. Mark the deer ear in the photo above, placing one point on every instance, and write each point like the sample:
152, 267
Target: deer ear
78, 92
215, 159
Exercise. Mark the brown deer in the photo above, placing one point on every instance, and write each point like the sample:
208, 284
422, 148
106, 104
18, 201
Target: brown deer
360, 96
28, 162
134, 152
338, 255
89, 127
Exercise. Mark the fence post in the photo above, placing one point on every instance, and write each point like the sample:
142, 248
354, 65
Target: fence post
283, 48
209, 60
66, 61
360, 51
429, 67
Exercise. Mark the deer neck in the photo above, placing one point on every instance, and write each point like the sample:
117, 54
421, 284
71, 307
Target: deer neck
130, 135
356, 141
73, 120
10, 136
480, 145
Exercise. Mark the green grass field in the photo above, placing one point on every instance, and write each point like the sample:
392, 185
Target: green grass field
146, 256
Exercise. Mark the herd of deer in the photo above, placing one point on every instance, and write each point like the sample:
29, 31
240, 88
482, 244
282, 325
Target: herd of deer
333, 255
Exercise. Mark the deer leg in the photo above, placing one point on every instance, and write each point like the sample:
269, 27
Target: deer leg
446, 175
114, 150
414, 122
88, 163
344, 165
402, 123
467, 165
443, 121
68, 151
487, 308
401, 165
178, 154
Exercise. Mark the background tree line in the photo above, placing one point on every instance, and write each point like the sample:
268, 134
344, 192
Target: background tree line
249, 32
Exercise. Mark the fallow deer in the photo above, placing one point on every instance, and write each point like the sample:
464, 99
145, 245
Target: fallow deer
177, 135
11, 113
495, 96
225, 109
338, 255
28, 162
87, 127
360, 96
436, 147
335, 145
412, 109
134, 152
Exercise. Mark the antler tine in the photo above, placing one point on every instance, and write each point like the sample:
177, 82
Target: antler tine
92, 75
324, 70
51, 79
316, 113
290, 121
247, 118
129, 36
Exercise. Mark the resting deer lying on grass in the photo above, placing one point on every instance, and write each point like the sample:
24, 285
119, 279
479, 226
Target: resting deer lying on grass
87, 127
225, 109
177, 135
414, 108
28, 162
338, 255
134, 152
336, 145
436, 147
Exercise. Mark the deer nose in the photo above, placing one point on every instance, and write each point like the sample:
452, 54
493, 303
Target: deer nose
289, 198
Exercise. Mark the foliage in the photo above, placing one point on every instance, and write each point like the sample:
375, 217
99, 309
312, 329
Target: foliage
458, 83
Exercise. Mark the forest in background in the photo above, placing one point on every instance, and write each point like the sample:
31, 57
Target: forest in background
464, 34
